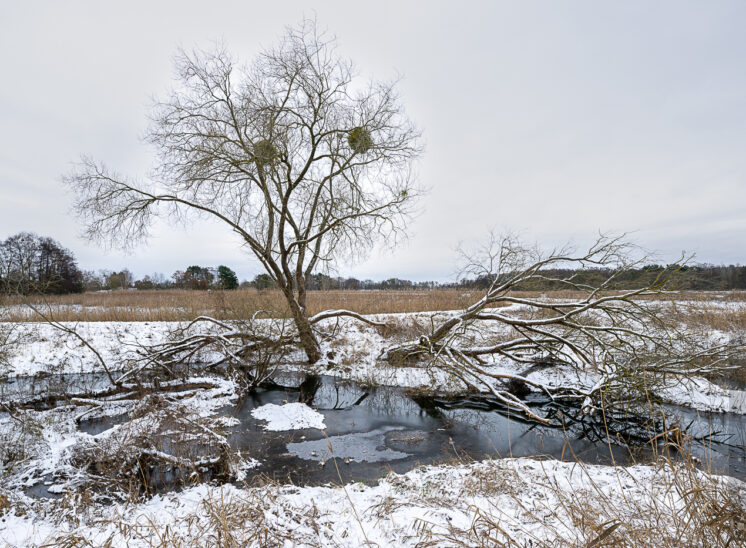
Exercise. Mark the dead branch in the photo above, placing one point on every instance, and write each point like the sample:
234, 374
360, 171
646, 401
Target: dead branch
610, 331
122, 392
253, 347
340, 313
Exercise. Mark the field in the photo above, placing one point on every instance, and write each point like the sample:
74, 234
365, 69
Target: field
181, 305
184, 305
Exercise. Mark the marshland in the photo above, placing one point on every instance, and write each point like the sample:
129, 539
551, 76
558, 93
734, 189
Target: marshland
444, 308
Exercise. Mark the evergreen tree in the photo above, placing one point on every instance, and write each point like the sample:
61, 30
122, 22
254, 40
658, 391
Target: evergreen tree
227, 279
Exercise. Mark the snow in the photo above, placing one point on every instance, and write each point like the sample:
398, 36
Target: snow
356, 349
289, 416
526, 497
46, 349
423, 506
701, 394
51, 438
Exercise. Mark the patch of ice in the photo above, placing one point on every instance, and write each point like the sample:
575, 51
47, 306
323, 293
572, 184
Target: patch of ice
359, 447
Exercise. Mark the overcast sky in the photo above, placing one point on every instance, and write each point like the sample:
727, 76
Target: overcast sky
553, 119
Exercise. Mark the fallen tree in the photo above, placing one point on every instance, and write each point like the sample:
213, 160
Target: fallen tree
248, 351
622, 337
624, 342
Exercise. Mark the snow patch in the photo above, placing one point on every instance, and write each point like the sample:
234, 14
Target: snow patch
519, 494
290, 416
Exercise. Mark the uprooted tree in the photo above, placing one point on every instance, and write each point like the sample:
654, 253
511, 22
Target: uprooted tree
622, 337
293, 154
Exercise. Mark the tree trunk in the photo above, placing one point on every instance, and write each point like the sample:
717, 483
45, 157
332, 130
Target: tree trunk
308, 389
307, 338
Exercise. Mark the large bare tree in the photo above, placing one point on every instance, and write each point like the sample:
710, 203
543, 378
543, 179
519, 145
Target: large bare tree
296, 155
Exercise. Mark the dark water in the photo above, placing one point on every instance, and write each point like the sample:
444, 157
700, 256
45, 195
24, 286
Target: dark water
371, 431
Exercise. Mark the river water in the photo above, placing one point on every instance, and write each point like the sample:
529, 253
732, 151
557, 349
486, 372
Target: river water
371, 431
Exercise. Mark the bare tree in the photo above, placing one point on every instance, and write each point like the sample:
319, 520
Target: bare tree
29, 263
620, 335
292, 153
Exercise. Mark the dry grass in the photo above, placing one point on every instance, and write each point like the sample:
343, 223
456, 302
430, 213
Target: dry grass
675, 505
7, 339
685, 508
698, 315
183, 305
678, 505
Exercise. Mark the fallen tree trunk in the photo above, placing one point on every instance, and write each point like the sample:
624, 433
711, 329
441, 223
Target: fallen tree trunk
108, 395
618, 336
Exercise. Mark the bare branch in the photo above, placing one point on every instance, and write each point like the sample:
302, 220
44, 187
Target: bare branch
339, 313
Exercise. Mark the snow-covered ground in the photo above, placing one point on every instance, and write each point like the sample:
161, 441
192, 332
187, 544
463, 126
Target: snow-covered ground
522, 501
518, 500
46, 349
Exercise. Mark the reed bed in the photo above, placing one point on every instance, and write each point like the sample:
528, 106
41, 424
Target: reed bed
700, 314
184, 305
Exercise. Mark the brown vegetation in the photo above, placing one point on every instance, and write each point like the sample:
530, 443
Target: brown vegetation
185, 305
703, 314
672, 505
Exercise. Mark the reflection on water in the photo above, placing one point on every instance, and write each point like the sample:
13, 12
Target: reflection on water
372, 431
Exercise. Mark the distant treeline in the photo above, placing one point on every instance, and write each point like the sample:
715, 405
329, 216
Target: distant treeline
192, 277
699, 277
34, 264
695, 277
